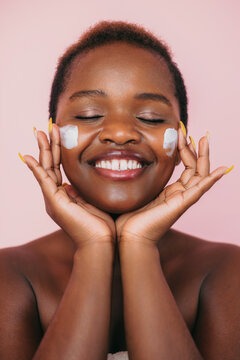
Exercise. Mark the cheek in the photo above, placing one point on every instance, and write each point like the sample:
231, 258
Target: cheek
170, 141
69, 136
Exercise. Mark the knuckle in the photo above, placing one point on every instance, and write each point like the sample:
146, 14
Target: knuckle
201, 189
49, 168
43, 179
197, 174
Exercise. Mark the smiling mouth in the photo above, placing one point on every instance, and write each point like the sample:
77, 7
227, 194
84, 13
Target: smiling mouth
118, 164
119, 169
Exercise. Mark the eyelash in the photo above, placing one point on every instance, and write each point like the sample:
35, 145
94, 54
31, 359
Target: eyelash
152, 120
97, 117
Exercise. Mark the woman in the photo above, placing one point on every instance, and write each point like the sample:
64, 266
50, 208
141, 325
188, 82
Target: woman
115, 279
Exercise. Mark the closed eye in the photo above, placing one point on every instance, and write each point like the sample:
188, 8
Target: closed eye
91, 117
152, 120
98, 116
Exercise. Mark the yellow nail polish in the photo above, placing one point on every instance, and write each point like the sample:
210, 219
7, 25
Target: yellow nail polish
35, 132
50, 125
208, 135
21, 157
228, 170
193, 142
183, 128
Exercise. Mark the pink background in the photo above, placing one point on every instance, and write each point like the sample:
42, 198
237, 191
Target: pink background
204, 37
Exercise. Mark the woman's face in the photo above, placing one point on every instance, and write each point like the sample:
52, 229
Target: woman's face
119, 128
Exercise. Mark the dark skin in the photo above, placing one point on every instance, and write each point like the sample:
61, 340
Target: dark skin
63, 293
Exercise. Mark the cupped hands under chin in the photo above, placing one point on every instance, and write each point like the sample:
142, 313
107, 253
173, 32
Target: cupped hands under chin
148, 224
83, 222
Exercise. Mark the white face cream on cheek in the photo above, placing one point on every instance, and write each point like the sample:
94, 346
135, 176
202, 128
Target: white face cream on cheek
69, 136
170, 141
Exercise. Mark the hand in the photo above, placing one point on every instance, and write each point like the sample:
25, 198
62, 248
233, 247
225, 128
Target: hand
81, 221
149, 223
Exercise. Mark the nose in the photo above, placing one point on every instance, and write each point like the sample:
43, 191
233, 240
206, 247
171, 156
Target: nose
120, 130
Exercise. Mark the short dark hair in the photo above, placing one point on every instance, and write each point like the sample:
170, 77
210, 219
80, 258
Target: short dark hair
106, 32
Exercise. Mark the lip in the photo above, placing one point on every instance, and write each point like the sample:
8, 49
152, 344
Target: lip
120, 154
119, 175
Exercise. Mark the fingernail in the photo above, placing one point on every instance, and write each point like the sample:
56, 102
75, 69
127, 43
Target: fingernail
193, 142
35, 132
208, 135
228, 170
64, 184
183, 128
21, 157
50, 125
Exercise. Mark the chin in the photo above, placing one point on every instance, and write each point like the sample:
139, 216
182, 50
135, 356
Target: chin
118, 207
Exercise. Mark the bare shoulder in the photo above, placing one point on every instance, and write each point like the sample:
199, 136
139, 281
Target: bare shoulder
213, 269
210, 255
192, 260
217, 327
29, 257
18, 305
24, 272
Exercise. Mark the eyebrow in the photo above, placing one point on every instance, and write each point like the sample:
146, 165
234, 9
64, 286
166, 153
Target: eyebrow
154, 97
87, 93
141, 96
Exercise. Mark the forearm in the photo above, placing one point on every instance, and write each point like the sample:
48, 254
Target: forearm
153, 324
80, 327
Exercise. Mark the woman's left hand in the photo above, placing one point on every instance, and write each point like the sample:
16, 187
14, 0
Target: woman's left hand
149, 223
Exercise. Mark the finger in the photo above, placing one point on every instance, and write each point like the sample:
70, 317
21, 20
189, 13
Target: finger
188, 158
67, 188
194, 193
192, 146
56, 152
45, 155
74, 195
203, 163
47, 184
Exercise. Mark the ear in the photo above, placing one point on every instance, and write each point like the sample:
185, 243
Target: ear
178, 158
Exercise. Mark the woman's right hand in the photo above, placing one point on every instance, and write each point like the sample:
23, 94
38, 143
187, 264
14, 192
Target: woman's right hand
83, 222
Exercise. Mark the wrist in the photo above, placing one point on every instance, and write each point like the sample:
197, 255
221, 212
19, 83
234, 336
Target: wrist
94, 263
130, 249
95, 249
127, 242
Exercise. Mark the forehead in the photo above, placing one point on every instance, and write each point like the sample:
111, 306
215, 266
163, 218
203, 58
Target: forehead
120, 67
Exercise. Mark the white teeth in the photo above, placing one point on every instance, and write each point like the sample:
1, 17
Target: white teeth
130, 164
109, 166
104, 165
119, 165
123, 164
134, 164
115, 165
